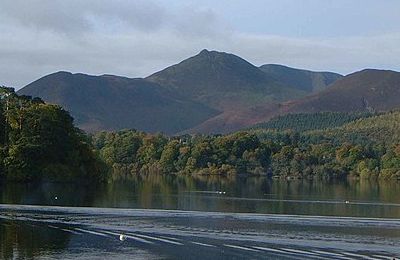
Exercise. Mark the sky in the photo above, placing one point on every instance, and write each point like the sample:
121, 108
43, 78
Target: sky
136, 38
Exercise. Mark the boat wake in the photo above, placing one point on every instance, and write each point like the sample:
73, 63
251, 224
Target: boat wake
181, 234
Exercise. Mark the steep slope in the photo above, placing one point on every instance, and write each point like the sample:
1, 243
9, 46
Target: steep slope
367, 90
110, 102
309, 81
224, 81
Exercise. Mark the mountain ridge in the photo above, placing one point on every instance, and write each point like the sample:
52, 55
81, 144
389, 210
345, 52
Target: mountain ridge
311, 81
113, 102
212, 92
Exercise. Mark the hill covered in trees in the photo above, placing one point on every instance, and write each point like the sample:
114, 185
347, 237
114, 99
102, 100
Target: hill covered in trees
381, 128
310, 121
38, 141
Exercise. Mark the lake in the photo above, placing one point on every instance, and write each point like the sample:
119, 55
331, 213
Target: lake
170, 217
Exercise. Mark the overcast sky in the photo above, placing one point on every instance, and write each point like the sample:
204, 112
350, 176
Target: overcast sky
135, 38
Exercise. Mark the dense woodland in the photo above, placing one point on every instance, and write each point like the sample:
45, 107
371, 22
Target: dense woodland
311, 121
368, 148
38, 141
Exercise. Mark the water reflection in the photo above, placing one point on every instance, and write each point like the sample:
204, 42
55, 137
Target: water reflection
28, 241
252, 195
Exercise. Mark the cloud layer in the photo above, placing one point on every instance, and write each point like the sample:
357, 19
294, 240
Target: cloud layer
136, 38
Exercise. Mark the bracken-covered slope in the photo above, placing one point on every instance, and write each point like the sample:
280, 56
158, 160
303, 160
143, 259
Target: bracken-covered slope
367, 90
309, 81
111, 103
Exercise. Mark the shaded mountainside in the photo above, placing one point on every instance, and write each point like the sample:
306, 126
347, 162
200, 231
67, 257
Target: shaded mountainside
110, 102
224, 81
309, 81
367, 90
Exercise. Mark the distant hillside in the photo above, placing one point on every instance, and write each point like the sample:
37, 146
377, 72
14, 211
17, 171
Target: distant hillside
224, 81
305, 80
367, 90
111, 103
310, 121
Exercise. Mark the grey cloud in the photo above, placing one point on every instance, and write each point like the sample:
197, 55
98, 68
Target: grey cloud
342, 54
81, 16
201, 23
118, 16
137, 38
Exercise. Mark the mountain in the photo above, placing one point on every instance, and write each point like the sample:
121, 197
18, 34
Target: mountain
309, 81
110, 102
224, 81
211, 92
366, 90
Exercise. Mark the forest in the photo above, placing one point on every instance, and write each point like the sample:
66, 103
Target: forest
39, 142
311, 121
368, 147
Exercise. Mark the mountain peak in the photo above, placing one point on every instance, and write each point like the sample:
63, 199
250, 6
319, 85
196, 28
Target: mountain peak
204, 51
210, 73
213, 55
61, 73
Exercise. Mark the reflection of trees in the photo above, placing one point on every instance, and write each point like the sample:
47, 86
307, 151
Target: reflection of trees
67, 194
251, 194
23, 241
181, 192
20, 240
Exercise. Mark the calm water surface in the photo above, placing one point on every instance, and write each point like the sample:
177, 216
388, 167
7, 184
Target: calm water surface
168, 217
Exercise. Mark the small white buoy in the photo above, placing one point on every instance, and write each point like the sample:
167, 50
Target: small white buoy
122, 237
